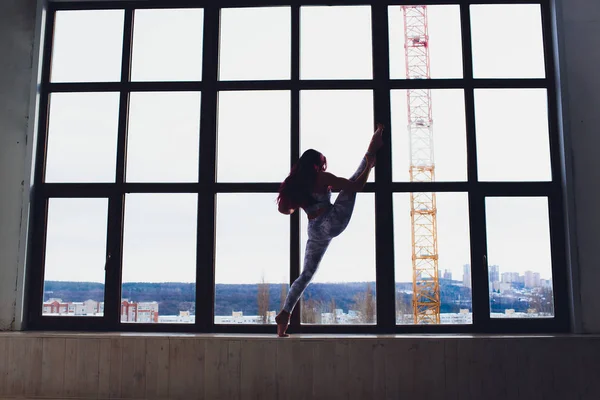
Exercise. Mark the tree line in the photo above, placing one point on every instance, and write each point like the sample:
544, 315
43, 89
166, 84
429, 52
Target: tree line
253, 299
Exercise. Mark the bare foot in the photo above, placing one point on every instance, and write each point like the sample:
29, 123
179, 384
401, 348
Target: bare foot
282, 319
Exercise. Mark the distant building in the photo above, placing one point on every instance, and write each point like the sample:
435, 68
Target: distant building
55, 306
510, 277
143, 312
184, 317
463, 317
467, 275
75, 308
238, 317
448, 274
546, 283
494, 273
532, 279
537, 282
501, 287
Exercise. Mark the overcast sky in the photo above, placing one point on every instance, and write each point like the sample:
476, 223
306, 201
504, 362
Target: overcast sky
254, 140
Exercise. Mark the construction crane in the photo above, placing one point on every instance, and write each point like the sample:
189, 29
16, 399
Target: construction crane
423, 211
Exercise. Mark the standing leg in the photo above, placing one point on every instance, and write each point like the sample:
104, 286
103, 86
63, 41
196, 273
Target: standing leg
315, 249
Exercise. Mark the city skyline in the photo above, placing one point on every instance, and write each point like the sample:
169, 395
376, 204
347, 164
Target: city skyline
536, 294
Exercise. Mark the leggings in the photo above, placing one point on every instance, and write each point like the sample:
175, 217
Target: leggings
321, 231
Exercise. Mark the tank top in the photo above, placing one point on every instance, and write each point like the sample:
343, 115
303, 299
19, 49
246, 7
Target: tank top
322, 200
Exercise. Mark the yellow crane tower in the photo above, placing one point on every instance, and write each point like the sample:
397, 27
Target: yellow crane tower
423, 211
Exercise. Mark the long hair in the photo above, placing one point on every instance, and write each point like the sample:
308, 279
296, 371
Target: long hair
296, 190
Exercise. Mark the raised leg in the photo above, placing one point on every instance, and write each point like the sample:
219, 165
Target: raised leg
343, 207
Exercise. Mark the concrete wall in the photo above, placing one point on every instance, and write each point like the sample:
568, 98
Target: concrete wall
17, 34
578, 27
115, 366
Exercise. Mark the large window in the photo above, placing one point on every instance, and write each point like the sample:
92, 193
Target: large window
164, 134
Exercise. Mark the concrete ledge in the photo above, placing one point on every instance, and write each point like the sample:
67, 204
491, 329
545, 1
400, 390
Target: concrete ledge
185, 366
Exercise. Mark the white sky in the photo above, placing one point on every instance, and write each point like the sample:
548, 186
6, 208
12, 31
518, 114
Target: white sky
254, 142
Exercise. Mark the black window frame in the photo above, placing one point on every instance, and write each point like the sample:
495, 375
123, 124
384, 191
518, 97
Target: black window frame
207, 187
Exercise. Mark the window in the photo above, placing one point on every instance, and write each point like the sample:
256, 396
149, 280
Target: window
164, 134
75, 257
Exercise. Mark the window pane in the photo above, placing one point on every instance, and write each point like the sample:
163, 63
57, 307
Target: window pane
75, 257
339, 124
507, 41
433, 139
254, 136
159, 258
255, 43
163, 138
252, 259
519, 257
438, 239
82, 137
87, 46
167, 45
512, 135
343, 288
432, 37
335, 43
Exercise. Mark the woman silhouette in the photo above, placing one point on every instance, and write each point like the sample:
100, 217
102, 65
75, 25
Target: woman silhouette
309, 186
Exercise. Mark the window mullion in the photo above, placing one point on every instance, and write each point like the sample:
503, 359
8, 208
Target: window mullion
295, 256
114, 244
384, 228
479, 274
205, 251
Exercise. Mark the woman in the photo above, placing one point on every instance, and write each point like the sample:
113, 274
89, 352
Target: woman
309, 187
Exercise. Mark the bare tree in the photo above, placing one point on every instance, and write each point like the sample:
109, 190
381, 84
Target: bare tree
370, 309
364, 303
333, 308
263, 300
310, 311
542, 301
404, 309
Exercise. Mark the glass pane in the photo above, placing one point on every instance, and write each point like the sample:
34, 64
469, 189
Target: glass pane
335, 43
433, 140
87, 46
433, 230
430, 36
342, 290
75, 257
254, 132
507, 41
82, 137
252, 259
255, 43
512, 135
159, 258
163, 137
519, 257
339, 124
167, 45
